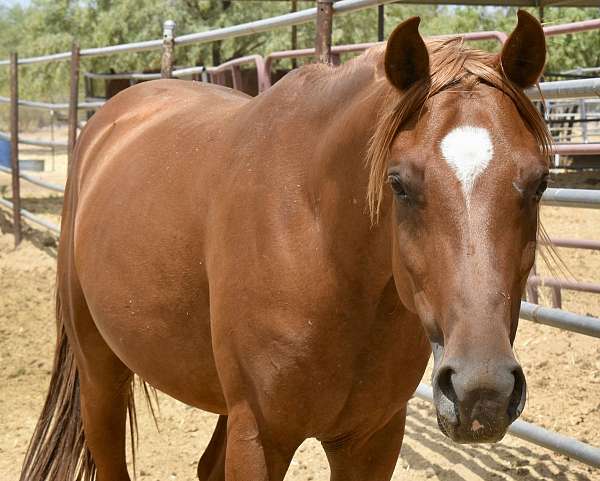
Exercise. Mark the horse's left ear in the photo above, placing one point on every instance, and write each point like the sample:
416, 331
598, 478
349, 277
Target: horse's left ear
406, 57
524, 54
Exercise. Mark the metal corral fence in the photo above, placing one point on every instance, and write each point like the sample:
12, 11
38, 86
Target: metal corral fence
551, 90
574, 120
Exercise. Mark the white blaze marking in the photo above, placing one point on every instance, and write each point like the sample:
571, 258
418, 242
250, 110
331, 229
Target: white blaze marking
468, 150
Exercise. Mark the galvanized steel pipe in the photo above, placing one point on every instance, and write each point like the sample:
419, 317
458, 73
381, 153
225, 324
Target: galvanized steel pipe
35, 180
258, 26
576, 149
39, 143
565, 89
573, 27
585, 198
53, 106
590, 326
287, 20
573, 243
122, 76
563, 284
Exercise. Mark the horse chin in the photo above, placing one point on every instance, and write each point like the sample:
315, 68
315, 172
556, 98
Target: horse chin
473, 434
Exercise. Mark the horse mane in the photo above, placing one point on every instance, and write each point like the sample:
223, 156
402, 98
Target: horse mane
452, 64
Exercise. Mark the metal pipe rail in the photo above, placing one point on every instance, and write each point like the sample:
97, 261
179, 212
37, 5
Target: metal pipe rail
564, 284
542, 437
122, 76
573, 27
576, 149
39, 143
144, 76
565, 89
360, 47
53, 106
582, 70
569, 321
149, 76
35, 180
32, 218
258, 26
584, 198
573, 243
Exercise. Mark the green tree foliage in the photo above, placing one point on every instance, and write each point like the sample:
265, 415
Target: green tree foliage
49, 26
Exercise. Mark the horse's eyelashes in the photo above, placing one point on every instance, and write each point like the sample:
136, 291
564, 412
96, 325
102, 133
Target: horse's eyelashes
543, 185
397, 186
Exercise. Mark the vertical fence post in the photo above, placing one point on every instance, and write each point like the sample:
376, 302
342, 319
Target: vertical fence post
52, 116
166, 64
583, 117
73, 101
14, 145
556, 298
294, 34
324, 26
380, 23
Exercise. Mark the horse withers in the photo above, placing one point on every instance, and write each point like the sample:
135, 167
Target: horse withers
289, 261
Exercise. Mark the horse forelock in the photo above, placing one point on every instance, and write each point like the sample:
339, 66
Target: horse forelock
453, 66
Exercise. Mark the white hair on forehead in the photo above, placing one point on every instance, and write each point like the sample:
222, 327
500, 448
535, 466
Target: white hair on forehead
468, 150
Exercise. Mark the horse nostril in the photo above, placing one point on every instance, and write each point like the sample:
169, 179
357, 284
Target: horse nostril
518, 396
444, 382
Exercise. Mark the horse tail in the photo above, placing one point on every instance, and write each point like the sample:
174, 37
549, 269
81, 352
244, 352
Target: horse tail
57, 450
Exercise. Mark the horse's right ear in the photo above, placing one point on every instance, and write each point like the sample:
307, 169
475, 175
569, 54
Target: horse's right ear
406, 57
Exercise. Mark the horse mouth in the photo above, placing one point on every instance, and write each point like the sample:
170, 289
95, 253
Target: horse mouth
484, 420
471, 432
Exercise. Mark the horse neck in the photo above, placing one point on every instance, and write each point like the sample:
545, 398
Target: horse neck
339, 175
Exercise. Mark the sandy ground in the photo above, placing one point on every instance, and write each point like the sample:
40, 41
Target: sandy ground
563, 372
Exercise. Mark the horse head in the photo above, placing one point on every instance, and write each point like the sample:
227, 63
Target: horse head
463, 153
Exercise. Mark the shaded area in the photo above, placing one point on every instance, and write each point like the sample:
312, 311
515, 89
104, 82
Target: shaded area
580, 179
51, 205
505, 460
41, 239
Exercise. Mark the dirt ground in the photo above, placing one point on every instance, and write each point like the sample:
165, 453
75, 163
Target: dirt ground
562, 369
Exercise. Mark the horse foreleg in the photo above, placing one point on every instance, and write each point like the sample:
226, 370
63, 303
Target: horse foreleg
253, 452
211, 466
369, 458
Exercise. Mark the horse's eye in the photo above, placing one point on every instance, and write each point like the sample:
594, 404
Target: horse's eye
542, 186
397, 186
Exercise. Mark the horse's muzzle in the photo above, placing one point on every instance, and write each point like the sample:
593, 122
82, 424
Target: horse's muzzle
476, 402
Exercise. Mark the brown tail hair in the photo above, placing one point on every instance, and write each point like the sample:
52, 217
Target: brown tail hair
57, 450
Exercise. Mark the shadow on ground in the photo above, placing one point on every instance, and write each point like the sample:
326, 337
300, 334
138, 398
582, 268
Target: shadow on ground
576, 179
426, 449
42, 239
43, 205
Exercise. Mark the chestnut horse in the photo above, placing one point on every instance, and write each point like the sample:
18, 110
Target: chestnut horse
221, 248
